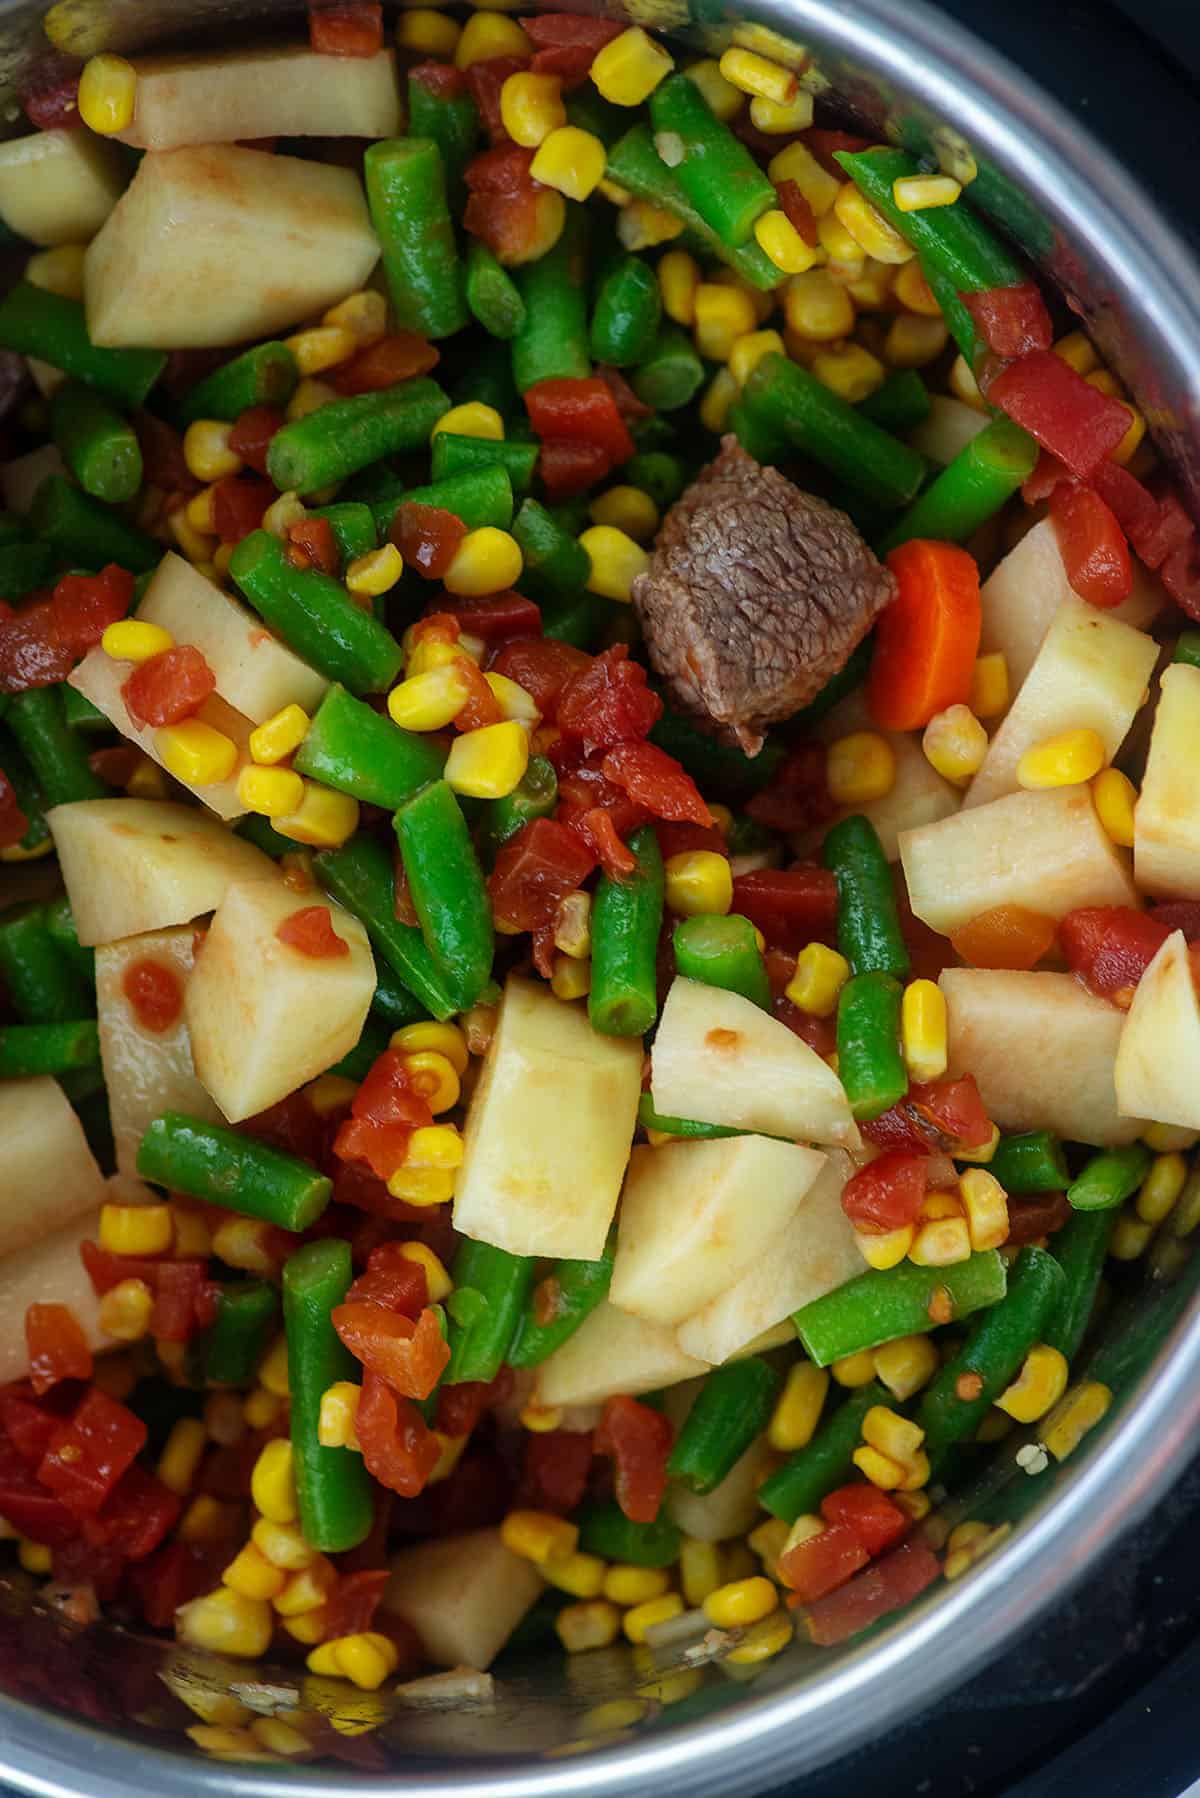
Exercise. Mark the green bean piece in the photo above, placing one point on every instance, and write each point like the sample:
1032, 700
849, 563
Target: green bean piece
315, 616
58, 759
488, 378
555, 563
60, 923
360, 877
241, 1332
848, 678
905, 1300
393, 1002
477, 496
97, 444
717, 767
953, 239
900, 404
340, 438
491, 1292
658, 473
42, 984
626, 917
359, 751
1110, 1178
558, 1305
552, 340
366, 1052
870, 1065
723, 951
733, 1407
626, 314
455, 455
671, 373
535, 796
963, 1391
1187, 649
492, 295
85, 533
954, 310
452, 122
971, 489
28, 793
24, 566
756, 434
605, 1530
80, 713
868, 923
266, 375
262, 834
337, 1506
583, 620
690, 1127
797, 1488
1032, 1162
448, 891
634, 163
1080, 1248
792, 404
405, 180
589, 111
353, 526
714, 168
36, 322
223, 1167
29, 1049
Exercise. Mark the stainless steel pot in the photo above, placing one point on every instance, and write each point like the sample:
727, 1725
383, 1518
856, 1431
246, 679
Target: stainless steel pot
97, 1712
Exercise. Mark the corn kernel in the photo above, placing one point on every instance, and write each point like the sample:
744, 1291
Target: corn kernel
1166, 1139
595, 1624
426, 32
916, 193
539, 1536
698, 883
964, 386
376, 572
626, 509
882, 1471
754, 74
913, 342
206, 1520
893, 1435
130, 640
541, 1420
924, 1030
273, 1368
363, 314
438, 1284
850, 371
1076, 1414
860, 767
942, 1242
422, 1185
779, 240
571, 978
273, 1482
845, 258
206, 450
982, 1153
245, 1242
322, 347
307, 1589
634, 1585
854, 1370
261, 1408
870, 291
678, 279
614, 559
531, 107
1161, 1188
136, 1229
434, 1145
747, 352
1078, 352
270, 792
768, 1542
816, 308
573, 926
195, 753
803, 1530
489, 762
279, 735
125, 1310
767, 1639
717, 398
906, 1364
251, 1575
724, 100
798, 1408
912, 290
985, 1203
629, 68
820, 975
323, 819
191, 1235
107, 94
486, 35
699, 1569
487, 560
1039, 1385
366, 1659
570, 160
796, 162
779, 120
282, 1544
1065, 760
723, 314
643, 1617
310, 395
941, 1202
741, 1602
429, 701
887, 1249
338, 1415
34, 1557
1131, 442
181, 1454
58, 270
954, 743
147, 781
1130, 1238
969, 1543
1115, 796
641, 225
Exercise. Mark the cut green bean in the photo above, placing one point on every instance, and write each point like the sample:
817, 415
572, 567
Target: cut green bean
870, 1064
552, 340
1033, 1162
393, 1002
492, 294
724, 952
340, 438
29, 1049
80, 713
360, 877
792, 404
448, 891
58, 758
756, 433
225, 1168
478, 496
718, 768
797, 1488
452, 122
952, 239
488, 378
333, 1487
732, 1408
971, 489
900, 404
85, 533
42, 984
954, 310
634, 163
605, 1530
714, 168
1080, 1248
359, 751
627, 313
60, 922
454, 455
905, 1300
353, 526
264, 836
266, 375
406, 194
868, 923
626, 918
558, 1305
491, 1292
671, 373
658, 473
36, 322
315, 616
1187, 649
24, 566
1110, 1178
690, 1127
555, 563
535, 796
96, 443
241, 1332
582, 621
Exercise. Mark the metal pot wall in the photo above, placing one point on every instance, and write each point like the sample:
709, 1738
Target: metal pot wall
97, 1712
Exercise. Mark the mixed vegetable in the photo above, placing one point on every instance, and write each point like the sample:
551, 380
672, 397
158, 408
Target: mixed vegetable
599, 845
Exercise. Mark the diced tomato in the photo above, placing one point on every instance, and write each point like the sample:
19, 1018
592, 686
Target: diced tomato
568, 467
41, 644
1011, 320
567, 44
598, 830
393, 1280
1007, 936
440, 78
27, 1504
1135, 507
459, 1407
1180, 575
627, 402
683, 839
900, 1129
1053, 402
485, 79
875, 1519
1109, 948
819, 1033
555, 1469
382, 1146
251, 435
106, 1270
534, 871
888, 1193
1092, 545
581, 410
386, 1095
791, 906
312, 544
115, 763
1170, 530
825, 145
89, 1453
397, 1446
427, 537
892, 1582
30, 653
496, 617
13, 822
28, 1427
1048, 471
154, 993
798, 210
385, 364
311, 933
822, 1563
1179, 914
174, 1576
238, 504
136, 1516
1038, 1215
543, 667
955, 1110
797, 796
410, 1357
657, 781
608, 703
504, 204
170, 686
502, 170
163, 462
481, 706
49, 93
351, 1606
639, 1441
351, 28
185, 1301
58, 1348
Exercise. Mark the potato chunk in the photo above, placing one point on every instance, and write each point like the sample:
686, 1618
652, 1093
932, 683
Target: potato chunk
58, 186
464, 1595
146, 1071
1042, 1049
132, 865
548, 1131
611, 1352
1158, 1061
263, 1016
50, 1173
225, 97
697, 1215
732, 1507
48, 1272
1166, 820
722, 1060
218, 245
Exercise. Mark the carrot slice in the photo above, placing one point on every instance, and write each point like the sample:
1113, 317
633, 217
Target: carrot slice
927, 639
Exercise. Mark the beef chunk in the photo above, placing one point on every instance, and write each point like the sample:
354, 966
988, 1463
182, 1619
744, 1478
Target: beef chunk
755, 596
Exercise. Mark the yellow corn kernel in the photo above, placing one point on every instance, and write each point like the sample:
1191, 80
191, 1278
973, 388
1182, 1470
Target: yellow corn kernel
923, 1030
767, 1639
531, 107
642, 1617
893, 1435
774, 44
1131, 442
252, 1576
571, 978
190, 1234
445, 1041
954, 743
595, 1624
270, 792
58, 270
699, 1569
422, 1185
915, 193
323, 819
307, 1589
798, 1407
796, 162
1161, 1187
429, 701
310, 1627
820, 975
803, 1530
206, 450
486, 561
768, 1542
614, 559
868, 227
627, 509
741, 1602
1165, 1139
107, 94
747, 352
854, 1370
723, 314
779, 240
870, 291
1078, 352
880, 1469
539, 1536
338, 1415
716, 400
754, 74
438, 1283
206, 1521
634, 1585
473, 419
983, 1152
136, 1229
698, 882
540, 1420
912, 341
887, 1249
273, 1368
1064, 760
627, 70
366, 1659
181, 1454
322, 347
283, 1545
1039, 1385
1115, 796
309, 396
570, 160
34, 1557
435, 1145
224, 1744
964, 386
196, 753
487, 34
942, 1242
273, 1482
125, 1310
428, 33
816, 308
363, 314
861, 766
912, 290
489, 762
279, 516
725, 100
581, 1575
261, 1408
147, 781
941, 1202
954, 154
573, 926
906, 1364
778, 119
278, 1737
329, 1093
850, 371
1076, 1414
985, 1203
1130, 1237
223, 1417
641, 225
245, 1242
375, 572
678, 279
129, 640
278, 736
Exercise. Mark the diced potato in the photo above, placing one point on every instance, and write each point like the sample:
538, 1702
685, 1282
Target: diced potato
947, 429
1022, 595
48, 1272
1042, 1049
695, 1216
722, 1060
464, 1595
50, 1174
99, 678
613, 1352
1045, 850
919, 795
132, 865
225, 97
146, 1071
263, 1016
1158, 1061
219, 245
731, 1508
1091, 672
815, 1253
58, 186
255, 673
1166, 820
548, 1130
21, 478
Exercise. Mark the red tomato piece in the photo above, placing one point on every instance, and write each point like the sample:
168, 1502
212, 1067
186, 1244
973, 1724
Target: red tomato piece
251, 435
312, 544
1179, 914
584, 411
385, 364
508, 223
440, 78
657, 781
543, 667
874, 1518
1109, 948
555, 1469
154, 994
135, 1517
30, 653
1136, 509
351, 1606
83, 606
13, 822
89, 1452
1048, 471
481, 706
485, 80
382, 1146
185, 1301
238, 504
797, 796
50, 93
682, 839
571, 32
163, 463
170, 686
115, 764
825, 145
28, 1427
392, 1280
386, 1095
58, 1348
352, 28
311, 933
502, 170
397, 1446
106, 1270
1053, 402
1180, 575
608, 703
822, 1563
410, 1357
427, 537
791, 906
1039, 1215
172, 1577
462, 1405
1092, 545
639, 1441
1170, 529
1011, 320
888, 1193
954, 1109
568, 467
798, 209
627, 402
893, 1582
598, 830
927, 639
535, 870
495, 617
